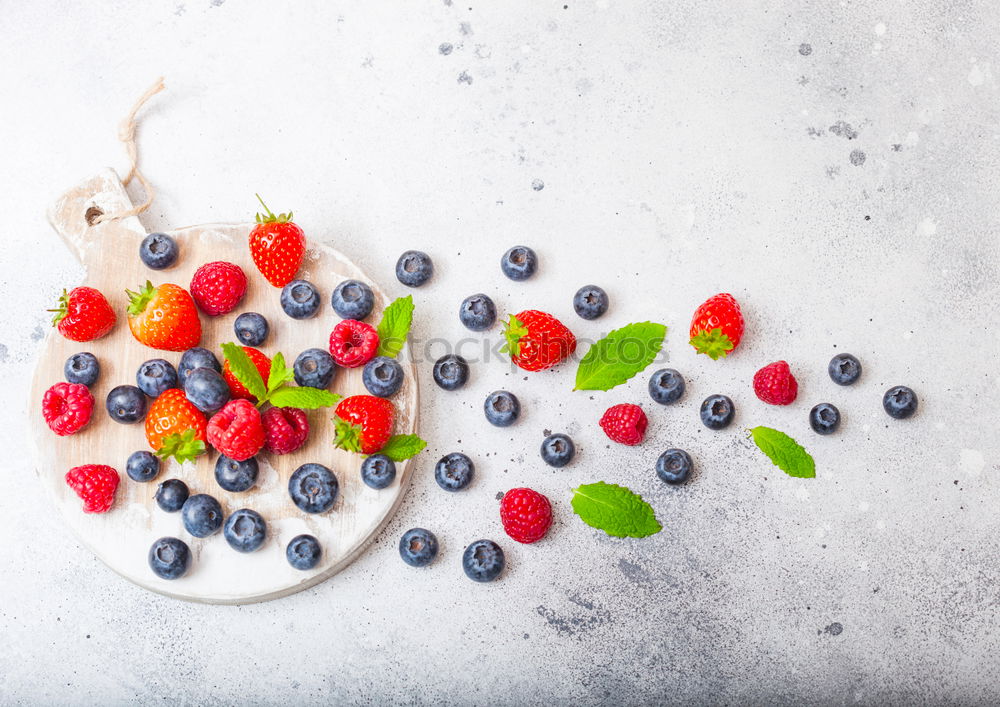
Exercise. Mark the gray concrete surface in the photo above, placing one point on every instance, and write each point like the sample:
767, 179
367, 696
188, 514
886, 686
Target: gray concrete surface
834, 165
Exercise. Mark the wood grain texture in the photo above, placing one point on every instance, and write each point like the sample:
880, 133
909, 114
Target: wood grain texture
121, 537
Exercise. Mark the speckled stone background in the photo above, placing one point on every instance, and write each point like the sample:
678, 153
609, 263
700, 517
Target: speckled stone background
834, 165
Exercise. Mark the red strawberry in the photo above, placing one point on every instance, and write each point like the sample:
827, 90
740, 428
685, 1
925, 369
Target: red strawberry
263, 364
717, 326
364, 423
285, 429
526, 515
175, 427
277, 246
67, 407
775, 384
625, 423
236, 430
353, 343
83, 315
536, 340
95, 484
218, 287
164, 317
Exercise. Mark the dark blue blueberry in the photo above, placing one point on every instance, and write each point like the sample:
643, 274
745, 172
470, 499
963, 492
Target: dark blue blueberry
844, 369
158, 251
483, 561
418, 547
558, 450
142, 466
314, 368
502, 408
674, 466
717, 412
352, 299
477, 312
82, 368
313, 488
451, 372
196, 358
245, 530
202, 515
155, 376
900, 402
519, 263
378, 471
169, 558
590, 301
171, 495
824, 419
382, 376
414, 268
207, 390
251, 328
454, 471
303, 552
236, 476
666, 386
300, 299
126, 404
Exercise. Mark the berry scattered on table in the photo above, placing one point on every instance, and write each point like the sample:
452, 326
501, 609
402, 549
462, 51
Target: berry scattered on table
502, 408
313, 488
169, 558
451, 372
95, 484
558, 450
590, 302
163, 317
155, 376
717, 326
383, 376
303, 552
536, 340
844, 369
260, 361
899, 402
237, 430
519, 263
245, 530
414, 268
218, 287
251, 329
477, 312
483, 561
674, 466
774, 384
300, 299
82, 368
67, 408
202, 515
454, 471
236, 476
352, 299
378, 471
175, 427
285, 429
526, 515
717, 412
196, 358
418, 547
666, 386
314, 368
83, 315
824, 419
142, 466
624, 423
353, 343
363, 423
126, 404
207, 389
158, 251
277, 246
171, 495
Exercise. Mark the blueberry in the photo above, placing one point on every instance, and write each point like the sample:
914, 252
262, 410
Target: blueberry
245, 530
202, 515
482, 561
477, 312
196, 358
158, 251
383, 376
824, 419
314, 368
126, 404
666, 386
454, 471
352, 299
451, 372
414, 268
155, 376
313, 488
300, 299
251, 328
502, 408
519, 263
900, 402
378, 471
590, 301
142, 466
717, 412
844, 369
303, 552
207, 390
171, 495
82, 368
169, 558
418, 547
674, 466
558, 450
236, 476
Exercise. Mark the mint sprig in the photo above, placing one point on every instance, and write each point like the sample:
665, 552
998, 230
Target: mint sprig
616, 510
402, 447
784, 452
395, 325
277, 392
620, 355
243, 369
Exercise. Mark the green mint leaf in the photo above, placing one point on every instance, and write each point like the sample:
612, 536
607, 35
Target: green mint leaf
614, 509
395, 325
280, 373
619, 356
246, 373
786, 454
402, 447
303, 397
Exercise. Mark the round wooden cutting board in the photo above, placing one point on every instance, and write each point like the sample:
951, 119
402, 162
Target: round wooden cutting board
122, 536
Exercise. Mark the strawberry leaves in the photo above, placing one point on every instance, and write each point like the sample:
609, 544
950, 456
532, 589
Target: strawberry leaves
269, 217
620, 355
713, 343
183, 447
395, 325
513, 332
276, 392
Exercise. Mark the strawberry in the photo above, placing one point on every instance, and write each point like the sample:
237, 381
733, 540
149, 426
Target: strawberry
95, 484
164, 317
175, 427
218, 287
236, 430
717, 326
83, 315
775, 384
353, 343
624, 423
263, 364
277, 246
285, 429
536, 340
363, 423
67, 407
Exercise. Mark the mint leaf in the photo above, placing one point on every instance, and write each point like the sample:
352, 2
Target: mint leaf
619, 356
786, 454
280, 374
302, 397
402, 447
614, 509
246, 373
395, 325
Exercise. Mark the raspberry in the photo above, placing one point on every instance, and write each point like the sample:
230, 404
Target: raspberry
67, 407
526, 515
353, 343
775, 384
236, 430
285, 429
625, 423
95, 484
258, 359
218, 287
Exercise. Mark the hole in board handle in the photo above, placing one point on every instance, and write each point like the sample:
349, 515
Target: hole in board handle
92, 214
